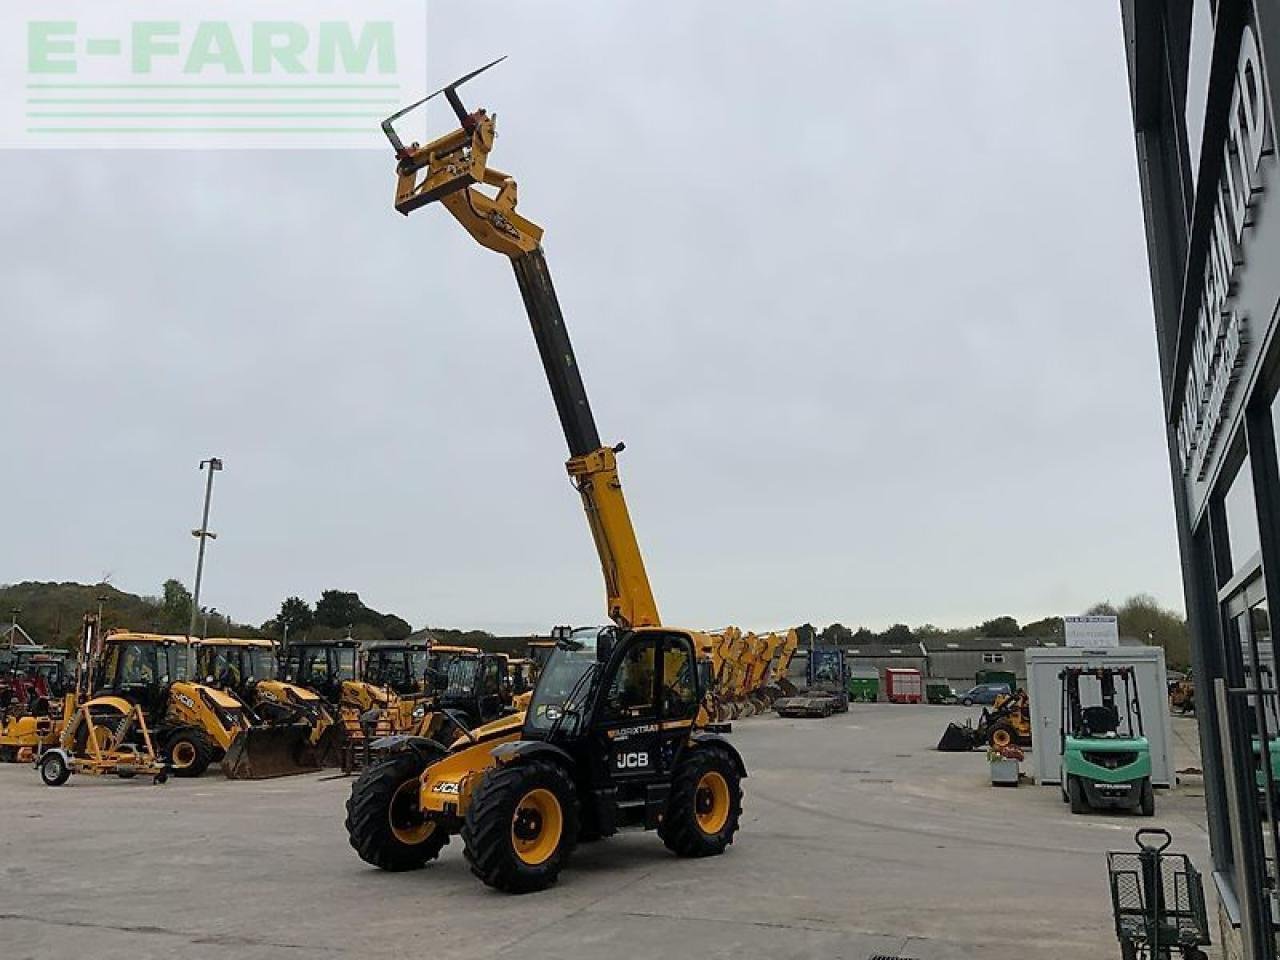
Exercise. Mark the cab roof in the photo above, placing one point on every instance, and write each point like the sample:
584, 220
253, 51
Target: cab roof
237, 642
130, 636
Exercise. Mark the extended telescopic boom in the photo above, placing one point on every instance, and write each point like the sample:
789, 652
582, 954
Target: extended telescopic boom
452, 169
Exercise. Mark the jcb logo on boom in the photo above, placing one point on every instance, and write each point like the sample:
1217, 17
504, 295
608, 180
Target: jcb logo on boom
633, 761
186, 701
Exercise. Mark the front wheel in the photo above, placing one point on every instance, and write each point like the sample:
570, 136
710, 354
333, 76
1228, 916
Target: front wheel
705, 805
522, 826
1075, 794
54, 770
967, 701
384, 823
1147, 801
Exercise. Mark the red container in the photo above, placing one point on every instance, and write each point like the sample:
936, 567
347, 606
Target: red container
903, 686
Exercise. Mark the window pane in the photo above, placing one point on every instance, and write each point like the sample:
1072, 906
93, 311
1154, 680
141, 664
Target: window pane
1201, 51
631, 692
1242, 518
678, 696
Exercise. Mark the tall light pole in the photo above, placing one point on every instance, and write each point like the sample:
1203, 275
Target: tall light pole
202, 535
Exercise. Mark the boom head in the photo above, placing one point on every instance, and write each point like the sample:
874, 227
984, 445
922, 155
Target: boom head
453, 167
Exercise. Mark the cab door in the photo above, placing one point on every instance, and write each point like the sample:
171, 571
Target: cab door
677, 700
628, 718
489, 687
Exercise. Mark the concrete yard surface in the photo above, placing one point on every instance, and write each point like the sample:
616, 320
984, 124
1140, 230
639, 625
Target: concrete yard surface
858, 840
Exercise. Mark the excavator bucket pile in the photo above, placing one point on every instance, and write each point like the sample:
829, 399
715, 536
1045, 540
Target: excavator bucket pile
260, 753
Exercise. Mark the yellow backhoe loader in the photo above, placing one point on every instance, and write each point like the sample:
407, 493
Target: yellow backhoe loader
100, 735
609, 739
293, 730
192, 723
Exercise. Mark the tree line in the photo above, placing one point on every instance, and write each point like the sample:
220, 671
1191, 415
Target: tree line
1140, 617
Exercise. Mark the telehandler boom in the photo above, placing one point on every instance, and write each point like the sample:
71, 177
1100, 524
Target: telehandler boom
451, 170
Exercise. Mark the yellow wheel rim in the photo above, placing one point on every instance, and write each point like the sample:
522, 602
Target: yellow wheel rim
1001, 738
405, 816
536, 826
711, 802
184, 755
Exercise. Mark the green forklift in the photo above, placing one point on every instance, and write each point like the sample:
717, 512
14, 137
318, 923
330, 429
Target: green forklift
1106, 758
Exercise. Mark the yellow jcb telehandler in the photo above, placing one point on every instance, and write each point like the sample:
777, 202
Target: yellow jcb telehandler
609, 739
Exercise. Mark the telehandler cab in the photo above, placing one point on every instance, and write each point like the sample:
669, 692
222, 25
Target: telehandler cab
609, 738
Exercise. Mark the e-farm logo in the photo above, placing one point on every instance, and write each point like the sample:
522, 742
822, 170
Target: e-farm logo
187, 74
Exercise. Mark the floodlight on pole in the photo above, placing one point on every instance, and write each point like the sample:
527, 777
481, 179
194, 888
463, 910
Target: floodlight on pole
203, 534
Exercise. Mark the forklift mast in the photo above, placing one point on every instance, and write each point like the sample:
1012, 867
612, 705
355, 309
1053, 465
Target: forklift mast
452, 169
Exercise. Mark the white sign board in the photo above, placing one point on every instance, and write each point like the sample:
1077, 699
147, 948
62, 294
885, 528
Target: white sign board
1093, 632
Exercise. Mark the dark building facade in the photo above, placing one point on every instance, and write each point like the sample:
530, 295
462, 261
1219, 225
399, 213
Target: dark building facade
1203, 77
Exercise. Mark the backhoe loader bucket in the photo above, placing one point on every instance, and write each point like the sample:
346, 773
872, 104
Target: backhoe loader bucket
957, 738
260, 753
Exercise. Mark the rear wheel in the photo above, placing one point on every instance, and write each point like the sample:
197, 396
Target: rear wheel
54, 770
190, 752
522, 826
705, 805
1075, 795
384, 822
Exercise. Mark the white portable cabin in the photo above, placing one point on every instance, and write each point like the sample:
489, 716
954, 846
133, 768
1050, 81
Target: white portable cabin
1044, 687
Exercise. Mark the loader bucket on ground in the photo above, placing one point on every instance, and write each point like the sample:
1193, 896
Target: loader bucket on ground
957, 739
263, 752
331, 748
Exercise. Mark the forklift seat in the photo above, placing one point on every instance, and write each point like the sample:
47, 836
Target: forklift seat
1099, 721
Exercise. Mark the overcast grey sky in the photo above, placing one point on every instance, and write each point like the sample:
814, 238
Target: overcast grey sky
861, 285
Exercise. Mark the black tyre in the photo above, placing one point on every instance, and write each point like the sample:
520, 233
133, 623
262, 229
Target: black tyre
1075, 795
54, 770
705, 805
1147, 800
384, 823
967, 701
126, 774
190, 751
522, 826
1002, 734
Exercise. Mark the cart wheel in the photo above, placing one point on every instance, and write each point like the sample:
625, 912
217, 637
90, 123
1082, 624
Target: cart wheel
160, 777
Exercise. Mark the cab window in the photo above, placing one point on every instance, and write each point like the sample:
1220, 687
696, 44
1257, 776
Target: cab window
137, 664
344, 667
630, 693
679, 682
490, 678
314, 665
